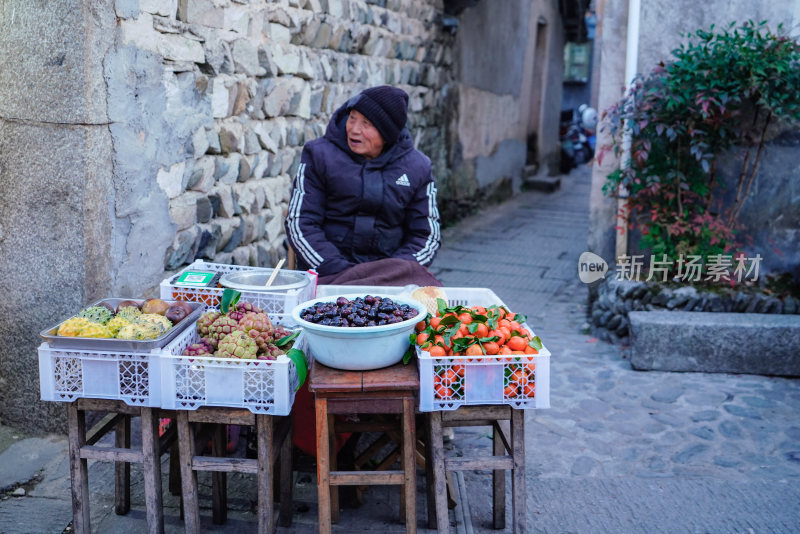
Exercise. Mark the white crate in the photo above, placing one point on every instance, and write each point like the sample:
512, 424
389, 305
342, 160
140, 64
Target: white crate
278, 302
66, 374
261, 386
479, 381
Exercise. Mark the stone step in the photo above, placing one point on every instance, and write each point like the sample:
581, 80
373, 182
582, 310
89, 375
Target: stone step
751, 343
541, 182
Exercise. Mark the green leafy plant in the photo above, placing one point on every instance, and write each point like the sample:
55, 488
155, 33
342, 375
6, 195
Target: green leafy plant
720, 95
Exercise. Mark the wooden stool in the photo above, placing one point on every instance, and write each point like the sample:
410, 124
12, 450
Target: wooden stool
392, 436
498, 463
82, 448
270, 440
383, 391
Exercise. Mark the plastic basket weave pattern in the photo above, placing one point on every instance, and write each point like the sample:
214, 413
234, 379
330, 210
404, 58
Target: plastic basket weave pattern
279, 302
261, 386
69, 374
449, 382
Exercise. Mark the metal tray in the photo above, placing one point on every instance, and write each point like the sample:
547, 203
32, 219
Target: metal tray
121, 345
253, 281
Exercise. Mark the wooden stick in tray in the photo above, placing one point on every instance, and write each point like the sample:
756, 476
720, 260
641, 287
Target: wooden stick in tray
275, 272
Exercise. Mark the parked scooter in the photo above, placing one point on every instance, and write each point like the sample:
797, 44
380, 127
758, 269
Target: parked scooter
577, 136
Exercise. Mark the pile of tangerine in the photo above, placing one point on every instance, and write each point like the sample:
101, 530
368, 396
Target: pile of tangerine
448, 382
478, 332
474, 331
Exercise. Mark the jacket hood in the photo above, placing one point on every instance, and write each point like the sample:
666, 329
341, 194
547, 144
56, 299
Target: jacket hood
337, 134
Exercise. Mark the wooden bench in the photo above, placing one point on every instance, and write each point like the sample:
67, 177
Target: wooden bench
508, 453
384, 391
274, 441
82, 447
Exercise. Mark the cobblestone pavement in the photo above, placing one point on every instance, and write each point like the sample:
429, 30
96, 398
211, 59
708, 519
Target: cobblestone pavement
622, 450
619, 451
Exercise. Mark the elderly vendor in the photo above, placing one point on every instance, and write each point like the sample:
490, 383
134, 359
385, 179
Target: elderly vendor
363, 205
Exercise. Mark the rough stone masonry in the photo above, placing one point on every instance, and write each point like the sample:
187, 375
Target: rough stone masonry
236, 88
139, 135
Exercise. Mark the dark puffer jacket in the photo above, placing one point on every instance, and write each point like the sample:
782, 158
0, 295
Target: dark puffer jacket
346, 209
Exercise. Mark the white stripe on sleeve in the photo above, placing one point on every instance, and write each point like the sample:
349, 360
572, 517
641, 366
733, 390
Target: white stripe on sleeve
425, 255
311, 257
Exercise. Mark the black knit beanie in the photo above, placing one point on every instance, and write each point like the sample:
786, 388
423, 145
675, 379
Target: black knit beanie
386, 108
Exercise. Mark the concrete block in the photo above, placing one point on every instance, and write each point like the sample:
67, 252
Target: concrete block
51, 60
548, 184
750, 343
55, 215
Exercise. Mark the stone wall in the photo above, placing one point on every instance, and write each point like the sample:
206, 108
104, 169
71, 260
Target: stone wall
616, 298
139, 135
237, 88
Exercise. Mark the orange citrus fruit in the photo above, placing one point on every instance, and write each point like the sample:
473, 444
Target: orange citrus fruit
437, 351
528, 389
516, 343
511, 391
474, 350
491, 347
481, 330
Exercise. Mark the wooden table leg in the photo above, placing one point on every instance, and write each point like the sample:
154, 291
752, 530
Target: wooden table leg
122, 470
78, 470
518, 493
323, 468
498, 484
333, 466
266, 453
151, 467
285, 513
409, 465
219, 480
174, 469
430, 490
439, 483
191, 509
